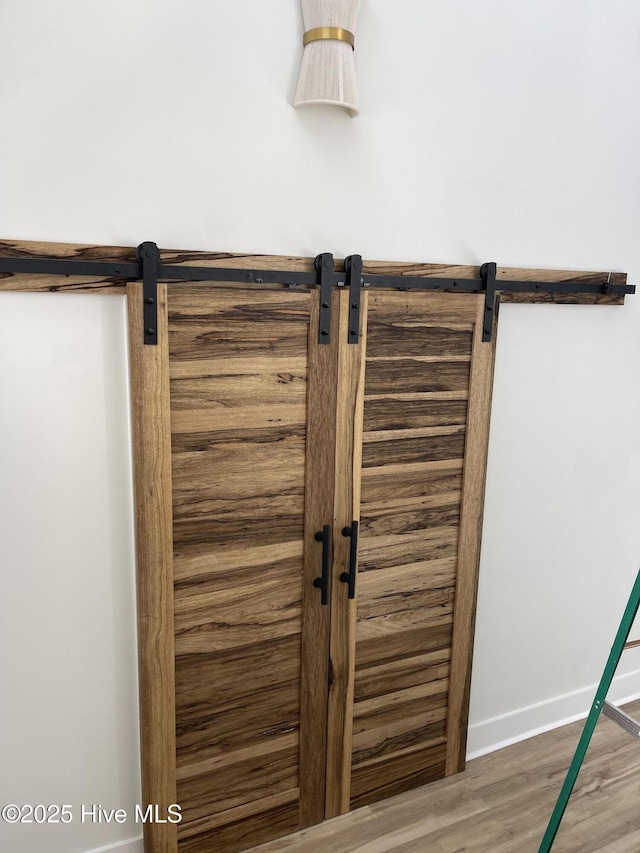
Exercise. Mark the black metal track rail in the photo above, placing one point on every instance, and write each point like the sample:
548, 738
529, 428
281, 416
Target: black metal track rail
324, 276
133, 272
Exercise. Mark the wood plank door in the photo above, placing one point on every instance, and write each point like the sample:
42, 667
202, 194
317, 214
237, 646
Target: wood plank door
404, 657
288, 710
252, 398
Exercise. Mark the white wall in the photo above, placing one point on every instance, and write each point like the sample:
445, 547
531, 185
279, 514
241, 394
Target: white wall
68, 694
499, 130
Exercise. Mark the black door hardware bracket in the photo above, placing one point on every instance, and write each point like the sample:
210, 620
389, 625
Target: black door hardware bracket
324, 268
353, 271
149, 257
488, 274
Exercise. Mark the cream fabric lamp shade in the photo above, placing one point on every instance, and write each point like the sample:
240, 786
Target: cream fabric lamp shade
328, 72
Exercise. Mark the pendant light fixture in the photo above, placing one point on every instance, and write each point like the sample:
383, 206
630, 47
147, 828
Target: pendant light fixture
328, 73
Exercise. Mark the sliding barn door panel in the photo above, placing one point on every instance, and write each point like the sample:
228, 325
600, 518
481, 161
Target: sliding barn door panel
239, 364
322, 610
418, 367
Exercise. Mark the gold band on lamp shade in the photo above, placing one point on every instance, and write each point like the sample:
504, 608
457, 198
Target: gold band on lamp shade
336, 33
327, 70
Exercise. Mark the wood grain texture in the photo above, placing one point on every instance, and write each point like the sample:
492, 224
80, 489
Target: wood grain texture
394, 413
64, 251
389, 482
399, 516
32, 248
388, 637
255, 777
413, 375
348, 463
381, 552
244, 830
264, 471
239, 445
149, 370
415, 415
401, 589
402, 673
406, 336
35, 249
414, 449
562, 298
405, 770
476, 449
277, 386
229, 715
277, 319
237, 610
387, 725
319, 511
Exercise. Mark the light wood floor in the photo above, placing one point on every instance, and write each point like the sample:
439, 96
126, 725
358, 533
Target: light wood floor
502, 804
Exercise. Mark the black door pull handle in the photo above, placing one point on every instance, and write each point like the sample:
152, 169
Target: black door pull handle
322, 583
350, 576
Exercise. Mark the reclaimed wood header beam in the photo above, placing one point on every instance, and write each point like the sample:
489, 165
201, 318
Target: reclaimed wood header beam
35, 256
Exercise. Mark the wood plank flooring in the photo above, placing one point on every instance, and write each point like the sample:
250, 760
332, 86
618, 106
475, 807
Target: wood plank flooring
501, 804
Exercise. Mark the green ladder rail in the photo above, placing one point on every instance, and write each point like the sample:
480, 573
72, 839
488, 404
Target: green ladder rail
599, 705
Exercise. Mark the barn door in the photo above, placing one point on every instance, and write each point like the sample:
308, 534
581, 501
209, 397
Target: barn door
242, 477
403, 653
238, 365
271, 468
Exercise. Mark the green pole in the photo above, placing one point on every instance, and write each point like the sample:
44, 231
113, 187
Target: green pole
601, 694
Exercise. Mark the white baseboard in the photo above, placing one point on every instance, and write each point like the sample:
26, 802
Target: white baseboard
498, 732
133, 845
